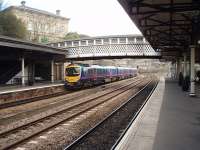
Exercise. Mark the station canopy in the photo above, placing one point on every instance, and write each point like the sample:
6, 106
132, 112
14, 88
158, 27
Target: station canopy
12, 48
170, 26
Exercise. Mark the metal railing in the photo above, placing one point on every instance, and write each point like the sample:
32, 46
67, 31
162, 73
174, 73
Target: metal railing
125, 46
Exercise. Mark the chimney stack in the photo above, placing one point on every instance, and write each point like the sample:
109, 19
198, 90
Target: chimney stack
58, 12
23, 3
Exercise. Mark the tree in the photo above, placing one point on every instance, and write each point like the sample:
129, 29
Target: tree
74, 35
11, 26
84, 36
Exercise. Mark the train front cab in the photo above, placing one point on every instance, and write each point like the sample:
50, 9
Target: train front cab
72, 76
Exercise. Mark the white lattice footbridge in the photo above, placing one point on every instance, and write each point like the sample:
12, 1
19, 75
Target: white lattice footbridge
108, 47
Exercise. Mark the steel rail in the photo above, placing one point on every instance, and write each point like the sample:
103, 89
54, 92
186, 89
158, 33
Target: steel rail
60, 100
64, 120
134, 117
40, 98
73, 144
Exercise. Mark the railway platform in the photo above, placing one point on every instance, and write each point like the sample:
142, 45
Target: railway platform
170, 120
10, 94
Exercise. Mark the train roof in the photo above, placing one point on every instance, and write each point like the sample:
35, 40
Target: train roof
110, 66
98, 66
84, 65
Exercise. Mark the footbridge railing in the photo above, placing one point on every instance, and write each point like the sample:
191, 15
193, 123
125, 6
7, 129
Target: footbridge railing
108, 47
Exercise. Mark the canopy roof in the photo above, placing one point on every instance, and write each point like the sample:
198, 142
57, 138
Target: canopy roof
170, 26
12, 48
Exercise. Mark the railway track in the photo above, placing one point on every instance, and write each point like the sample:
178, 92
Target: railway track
107, 133
40, 98
61, 100
27, 131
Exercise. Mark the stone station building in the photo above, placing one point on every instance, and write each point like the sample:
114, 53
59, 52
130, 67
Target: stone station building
42, 26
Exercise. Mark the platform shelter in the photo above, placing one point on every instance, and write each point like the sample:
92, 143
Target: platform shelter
26, 63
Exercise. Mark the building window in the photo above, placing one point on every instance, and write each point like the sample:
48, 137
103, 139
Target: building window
46, 28
30, 26
59, 29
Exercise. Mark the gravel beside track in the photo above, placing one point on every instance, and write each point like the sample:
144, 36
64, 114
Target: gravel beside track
52, 119
106, 133
13, 114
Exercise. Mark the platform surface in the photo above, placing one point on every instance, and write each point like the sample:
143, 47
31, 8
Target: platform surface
169, 121
17, 88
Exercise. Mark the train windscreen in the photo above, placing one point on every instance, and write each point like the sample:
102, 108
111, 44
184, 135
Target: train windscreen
72, 71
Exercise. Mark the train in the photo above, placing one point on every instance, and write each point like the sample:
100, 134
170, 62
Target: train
83, 75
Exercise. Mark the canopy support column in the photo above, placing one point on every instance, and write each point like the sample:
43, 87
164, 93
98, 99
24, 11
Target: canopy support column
192, 76
178, 67
184, 65
63, 71
23, 71
52, 70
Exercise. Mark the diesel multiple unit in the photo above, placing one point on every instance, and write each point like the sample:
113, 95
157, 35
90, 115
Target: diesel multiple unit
79, 75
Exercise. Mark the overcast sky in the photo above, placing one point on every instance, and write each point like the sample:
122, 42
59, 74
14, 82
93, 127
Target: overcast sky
91, 17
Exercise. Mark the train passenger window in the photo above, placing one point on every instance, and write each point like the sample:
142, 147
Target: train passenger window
99, 71
103, 70
89, 71
83, 73
95, 72
92, 71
